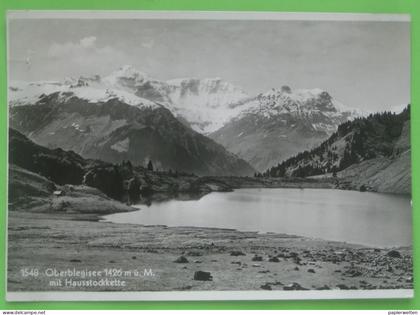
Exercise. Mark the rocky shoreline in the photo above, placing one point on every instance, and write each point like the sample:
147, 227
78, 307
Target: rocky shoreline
192, 258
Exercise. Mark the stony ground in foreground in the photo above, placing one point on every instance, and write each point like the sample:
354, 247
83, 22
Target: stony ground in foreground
235, 260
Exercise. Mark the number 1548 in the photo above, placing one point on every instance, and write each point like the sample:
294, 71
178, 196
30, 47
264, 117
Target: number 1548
29, 272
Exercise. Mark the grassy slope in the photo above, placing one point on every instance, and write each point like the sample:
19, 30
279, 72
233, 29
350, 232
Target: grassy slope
30, 192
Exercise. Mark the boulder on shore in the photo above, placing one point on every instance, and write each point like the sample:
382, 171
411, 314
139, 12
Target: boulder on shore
394, 254
181, 260
203, 276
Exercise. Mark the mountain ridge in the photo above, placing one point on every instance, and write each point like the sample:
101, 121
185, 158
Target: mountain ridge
370, 153
282, 122
206, 104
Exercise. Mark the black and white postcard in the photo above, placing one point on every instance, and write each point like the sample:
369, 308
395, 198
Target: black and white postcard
208, 155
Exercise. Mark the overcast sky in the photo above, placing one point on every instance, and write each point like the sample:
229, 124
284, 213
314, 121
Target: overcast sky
362, 64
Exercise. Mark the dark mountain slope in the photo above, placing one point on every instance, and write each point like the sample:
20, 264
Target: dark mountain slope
62, 167
373, 152
114, 131
37, 170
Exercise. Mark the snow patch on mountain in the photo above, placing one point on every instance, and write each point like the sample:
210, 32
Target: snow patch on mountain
121, 146
207, 104
22, 93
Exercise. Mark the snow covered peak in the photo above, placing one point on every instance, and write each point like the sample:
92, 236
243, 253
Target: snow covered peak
120, 84
127, 76
287, 100
23, 93
312, 106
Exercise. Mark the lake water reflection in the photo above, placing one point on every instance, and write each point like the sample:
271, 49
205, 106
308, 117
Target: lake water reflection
365, 218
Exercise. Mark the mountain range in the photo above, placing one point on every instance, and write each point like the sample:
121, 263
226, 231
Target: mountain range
182, 124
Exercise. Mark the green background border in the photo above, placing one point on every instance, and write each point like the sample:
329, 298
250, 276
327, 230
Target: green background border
368, 6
